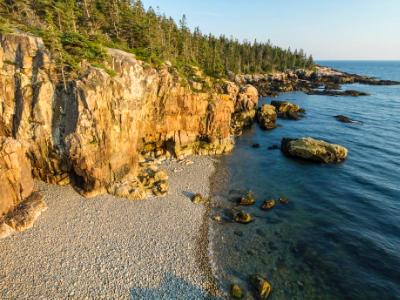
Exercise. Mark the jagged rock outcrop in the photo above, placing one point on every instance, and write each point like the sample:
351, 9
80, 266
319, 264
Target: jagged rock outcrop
28, 89
95, 129
19, 205
313, 150
245, 107
288, 110
266, 117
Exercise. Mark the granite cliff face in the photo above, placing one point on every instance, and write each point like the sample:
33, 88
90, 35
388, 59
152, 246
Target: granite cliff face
96, 129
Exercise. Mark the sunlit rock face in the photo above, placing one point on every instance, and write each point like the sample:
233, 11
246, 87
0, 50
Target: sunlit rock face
96, 128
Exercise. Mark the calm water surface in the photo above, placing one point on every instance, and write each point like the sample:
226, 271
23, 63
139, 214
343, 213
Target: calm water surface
339, 237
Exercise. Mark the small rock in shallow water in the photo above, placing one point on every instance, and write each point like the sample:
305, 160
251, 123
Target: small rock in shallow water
236, 291
345, 119
247, 199
284, 200
243, 218
268, 204
262, 286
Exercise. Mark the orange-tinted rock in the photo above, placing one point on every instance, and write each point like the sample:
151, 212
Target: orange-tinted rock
16, 181
97, 127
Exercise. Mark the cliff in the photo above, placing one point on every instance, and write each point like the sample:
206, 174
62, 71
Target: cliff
95, 130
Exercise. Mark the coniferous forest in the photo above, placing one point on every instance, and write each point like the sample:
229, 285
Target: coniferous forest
77, 30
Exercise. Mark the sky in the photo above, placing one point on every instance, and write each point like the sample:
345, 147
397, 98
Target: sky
327, 29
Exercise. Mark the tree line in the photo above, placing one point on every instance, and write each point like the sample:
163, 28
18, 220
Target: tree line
80, 29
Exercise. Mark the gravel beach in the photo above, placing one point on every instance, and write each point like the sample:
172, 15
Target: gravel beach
112, 248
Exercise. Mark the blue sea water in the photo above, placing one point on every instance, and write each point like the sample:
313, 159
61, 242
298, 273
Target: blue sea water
339, 237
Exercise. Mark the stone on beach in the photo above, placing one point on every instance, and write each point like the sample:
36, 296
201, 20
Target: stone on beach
198, 199
313, 150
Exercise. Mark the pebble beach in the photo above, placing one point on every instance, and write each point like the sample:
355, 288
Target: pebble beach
108, 247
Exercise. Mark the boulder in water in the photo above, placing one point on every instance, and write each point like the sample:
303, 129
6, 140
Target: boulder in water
236, 291
266, 117
268, 204
243, 217
313, 150
247, 199
262, 286
288, 110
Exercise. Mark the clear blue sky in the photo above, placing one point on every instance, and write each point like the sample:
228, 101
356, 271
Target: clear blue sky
328, 29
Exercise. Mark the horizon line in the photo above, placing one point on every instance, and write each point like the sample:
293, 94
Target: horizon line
355, 59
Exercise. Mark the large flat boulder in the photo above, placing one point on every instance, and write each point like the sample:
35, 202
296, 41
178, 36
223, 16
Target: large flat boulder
313, 150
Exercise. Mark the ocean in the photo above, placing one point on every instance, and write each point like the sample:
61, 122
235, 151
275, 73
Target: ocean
339, 236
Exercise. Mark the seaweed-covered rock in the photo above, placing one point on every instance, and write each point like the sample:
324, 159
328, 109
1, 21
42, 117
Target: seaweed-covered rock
243, 218
268, 204
247, 199
313, 150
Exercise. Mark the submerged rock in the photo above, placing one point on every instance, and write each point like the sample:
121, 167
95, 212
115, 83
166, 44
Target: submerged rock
268, 204
243, 218
335, 93
236, 291
247, 199
288, 110
262, 286
283, 200
345, 119
313, 150
266, 117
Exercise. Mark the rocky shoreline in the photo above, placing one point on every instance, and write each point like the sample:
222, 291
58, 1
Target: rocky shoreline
103, 134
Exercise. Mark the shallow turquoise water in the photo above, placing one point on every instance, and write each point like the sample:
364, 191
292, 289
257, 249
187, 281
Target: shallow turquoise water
339, 238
